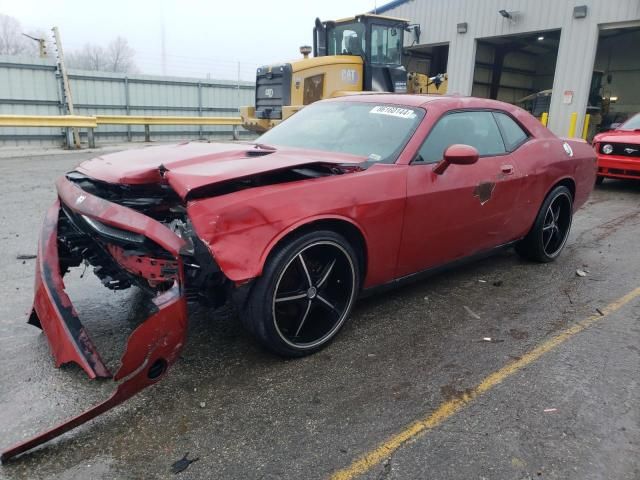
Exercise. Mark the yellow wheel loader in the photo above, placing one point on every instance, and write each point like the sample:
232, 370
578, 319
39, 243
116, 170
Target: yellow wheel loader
352, 55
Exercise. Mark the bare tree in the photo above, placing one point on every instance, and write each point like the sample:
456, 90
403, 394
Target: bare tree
117, 57
120, 56
90, 57
12, 42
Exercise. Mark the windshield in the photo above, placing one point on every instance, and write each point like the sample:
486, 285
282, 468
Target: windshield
386, 45
376, 131
632, 124
346, 39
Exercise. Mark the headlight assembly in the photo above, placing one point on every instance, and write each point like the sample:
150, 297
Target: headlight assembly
112, 232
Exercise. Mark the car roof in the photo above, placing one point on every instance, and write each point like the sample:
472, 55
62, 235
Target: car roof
422, 100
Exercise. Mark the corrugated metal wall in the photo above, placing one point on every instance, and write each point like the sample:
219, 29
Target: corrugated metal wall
31, 87
576, 52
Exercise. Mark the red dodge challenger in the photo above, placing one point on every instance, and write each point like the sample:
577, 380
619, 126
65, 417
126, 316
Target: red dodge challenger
619, 151
347, 196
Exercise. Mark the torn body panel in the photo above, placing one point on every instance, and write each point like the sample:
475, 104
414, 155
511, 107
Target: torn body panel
241, 229
153, 346
53, 311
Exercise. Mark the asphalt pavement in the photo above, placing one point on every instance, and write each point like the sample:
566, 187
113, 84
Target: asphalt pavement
572, 413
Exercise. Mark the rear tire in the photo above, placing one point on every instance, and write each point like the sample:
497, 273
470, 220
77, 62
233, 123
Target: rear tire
305, 294
550, 231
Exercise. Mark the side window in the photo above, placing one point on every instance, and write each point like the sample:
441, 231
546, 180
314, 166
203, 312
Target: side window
513, 134
478, 129
386, 45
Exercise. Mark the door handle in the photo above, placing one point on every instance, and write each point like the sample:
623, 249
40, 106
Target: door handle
507, 169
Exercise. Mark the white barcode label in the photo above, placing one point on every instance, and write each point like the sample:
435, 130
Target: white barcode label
393, 111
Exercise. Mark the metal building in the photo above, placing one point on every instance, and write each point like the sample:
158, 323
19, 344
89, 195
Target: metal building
585, 54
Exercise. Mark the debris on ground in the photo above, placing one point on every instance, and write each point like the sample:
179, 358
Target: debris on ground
568, 296
182, 464
25, 256
550, 410
202, 404
492, 340
497, 283
482, 281
472, 313
581, 273
600, 312
518, 334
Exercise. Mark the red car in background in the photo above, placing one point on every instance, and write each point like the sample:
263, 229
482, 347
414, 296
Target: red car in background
618, 151
347, 196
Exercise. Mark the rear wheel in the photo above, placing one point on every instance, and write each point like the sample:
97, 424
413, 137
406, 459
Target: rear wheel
305, 294
551, 228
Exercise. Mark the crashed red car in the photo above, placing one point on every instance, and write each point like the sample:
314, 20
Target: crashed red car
346, 197
618, 151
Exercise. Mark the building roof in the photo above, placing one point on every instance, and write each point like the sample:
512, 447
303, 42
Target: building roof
388, 6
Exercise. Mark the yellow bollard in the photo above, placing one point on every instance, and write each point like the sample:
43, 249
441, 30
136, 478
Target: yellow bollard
572, 125
544, 118
585, 128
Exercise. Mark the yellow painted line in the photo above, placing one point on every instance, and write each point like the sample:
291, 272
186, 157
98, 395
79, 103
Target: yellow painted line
450, 407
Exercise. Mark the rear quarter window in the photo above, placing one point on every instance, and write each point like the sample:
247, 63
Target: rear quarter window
512, 133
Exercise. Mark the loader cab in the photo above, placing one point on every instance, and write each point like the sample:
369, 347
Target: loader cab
377, 39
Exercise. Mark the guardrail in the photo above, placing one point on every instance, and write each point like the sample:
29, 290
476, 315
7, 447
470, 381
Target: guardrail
68, 121
92, 122
165, 120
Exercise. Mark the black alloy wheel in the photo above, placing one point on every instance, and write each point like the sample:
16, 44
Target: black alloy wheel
551, 229
555, 228
305, 294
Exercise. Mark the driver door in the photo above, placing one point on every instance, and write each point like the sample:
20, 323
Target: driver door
466, 209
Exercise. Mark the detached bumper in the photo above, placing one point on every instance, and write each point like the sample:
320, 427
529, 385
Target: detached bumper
152, 347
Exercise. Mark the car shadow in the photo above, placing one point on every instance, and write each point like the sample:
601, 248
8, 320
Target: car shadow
619, 185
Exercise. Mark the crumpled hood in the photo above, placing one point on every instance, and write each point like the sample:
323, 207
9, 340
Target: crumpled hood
618, 136
188, 166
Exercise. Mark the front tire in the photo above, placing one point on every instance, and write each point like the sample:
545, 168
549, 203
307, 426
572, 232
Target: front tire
305, 294
550, 231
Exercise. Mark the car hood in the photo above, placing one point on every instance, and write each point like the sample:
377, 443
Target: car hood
190, 166
618, 136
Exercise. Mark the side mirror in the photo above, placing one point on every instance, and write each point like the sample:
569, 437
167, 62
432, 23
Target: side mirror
457, 155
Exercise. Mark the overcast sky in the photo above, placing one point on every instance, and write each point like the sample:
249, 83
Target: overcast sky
201, 36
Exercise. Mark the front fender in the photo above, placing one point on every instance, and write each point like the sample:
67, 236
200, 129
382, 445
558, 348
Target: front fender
249, 238
242, 228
